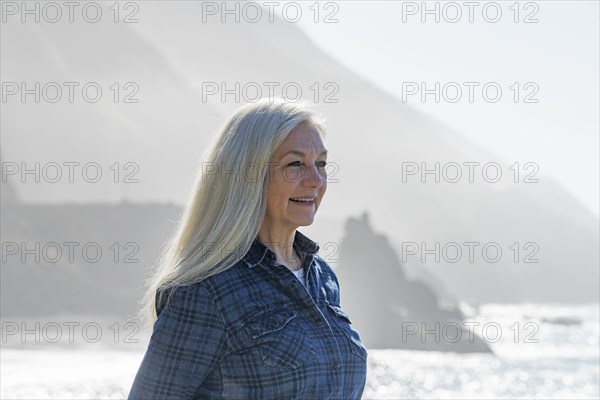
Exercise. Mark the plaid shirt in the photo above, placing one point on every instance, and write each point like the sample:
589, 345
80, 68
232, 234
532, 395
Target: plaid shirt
255, 332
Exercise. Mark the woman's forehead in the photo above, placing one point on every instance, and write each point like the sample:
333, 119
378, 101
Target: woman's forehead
303, 139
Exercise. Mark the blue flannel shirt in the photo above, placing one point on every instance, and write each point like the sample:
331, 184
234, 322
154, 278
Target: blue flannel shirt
255, 332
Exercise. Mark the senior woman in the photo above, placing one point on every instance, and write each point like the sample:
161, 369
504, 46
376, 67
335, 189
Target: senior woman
243, 306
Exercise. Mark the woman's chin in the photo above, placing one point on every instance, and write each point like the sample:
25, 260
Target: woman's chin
306, 221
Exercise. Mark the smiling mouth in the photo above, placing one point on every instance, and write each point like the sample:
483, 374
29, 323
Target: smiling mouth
307, 202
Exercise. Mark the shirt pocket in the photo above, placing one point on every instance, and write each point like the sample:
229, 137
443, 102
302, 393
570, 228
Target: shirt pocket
343, 321
279, 338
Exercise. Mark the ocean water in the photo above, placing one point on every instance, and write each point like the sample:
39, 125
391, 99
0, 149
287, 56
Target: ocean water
556, 356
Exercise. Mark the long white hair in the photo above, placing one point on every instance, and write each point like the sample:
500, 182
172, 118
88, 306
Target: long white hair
228, 200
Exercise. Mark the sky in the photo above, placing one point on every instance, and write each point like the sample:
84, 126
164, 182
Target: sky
557, 57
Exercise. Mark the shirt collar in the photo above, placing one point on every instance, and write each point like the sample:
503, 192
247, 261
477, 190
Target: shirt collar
258, 251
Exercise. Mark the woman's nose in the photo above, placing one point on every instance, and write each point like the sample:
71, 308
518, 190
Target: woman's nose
312, 176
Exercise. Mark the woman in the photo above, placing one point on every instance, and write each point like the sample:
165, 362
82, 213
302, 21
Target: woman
243, 306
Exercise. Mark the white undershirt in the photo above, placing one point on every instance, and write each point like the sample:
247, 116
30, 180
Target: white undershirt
300, 275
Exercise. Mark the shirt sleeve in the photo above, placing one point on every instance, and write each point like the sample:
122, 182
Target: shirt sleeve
187, 342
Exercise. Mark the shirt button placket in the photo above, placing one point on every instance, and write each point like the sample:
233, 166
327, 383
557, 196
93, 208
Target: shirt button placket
337, 365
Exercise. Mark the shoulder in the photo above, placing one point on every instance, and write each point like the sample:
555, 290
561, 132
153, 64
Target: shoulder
223, 283
185, 302
325, 268
210, 293
188, 313
327, 278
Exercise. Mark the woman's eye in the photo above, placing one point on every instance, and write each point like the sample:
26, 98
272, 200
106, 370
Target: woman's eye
319, 164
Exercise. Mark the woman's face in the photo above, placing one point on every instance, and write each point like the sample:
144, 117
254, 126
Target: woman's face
297, 173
